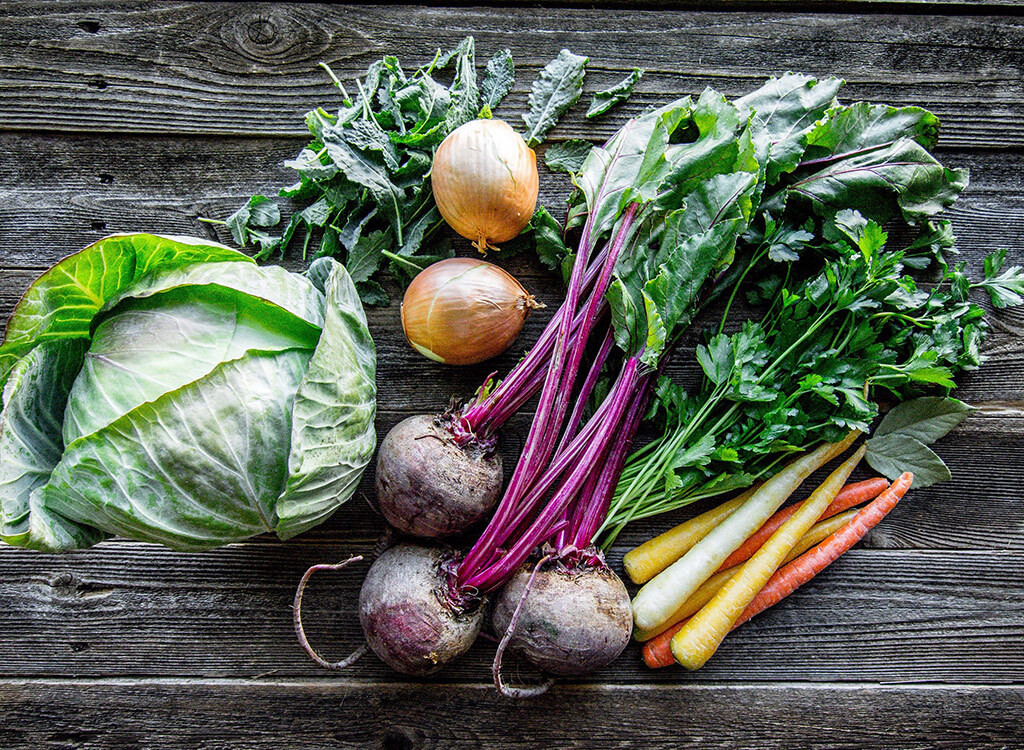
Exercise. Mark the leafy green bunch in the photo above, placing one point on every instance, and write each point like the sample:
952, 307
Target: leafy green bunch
363, 184
808, 370
839, 320
363, 193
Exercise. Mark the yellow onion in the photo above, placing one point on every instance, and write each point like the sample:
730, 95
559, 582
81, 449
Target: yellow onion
485, 182
462, 311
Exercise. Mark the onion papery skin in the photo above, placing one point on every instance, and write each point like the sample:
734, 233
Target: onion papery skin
462, 311
485, 183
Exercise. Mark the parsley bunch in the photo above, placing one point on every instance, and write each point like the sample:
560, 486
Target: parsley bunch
805, 371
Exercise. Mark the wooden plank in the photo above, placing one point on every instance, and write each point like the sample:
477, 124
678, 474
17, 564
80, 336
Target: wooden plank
131, 609
331, 713
932, 7
62, 192
253, 69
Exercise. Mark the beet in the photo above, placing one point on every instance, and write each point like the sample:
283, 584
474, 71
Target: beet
429, 486
574, 620
406, 614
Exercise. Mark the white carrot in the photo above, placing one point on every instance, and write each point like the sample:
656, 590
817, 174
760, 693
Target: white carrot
662, 595
700, 637
653, 556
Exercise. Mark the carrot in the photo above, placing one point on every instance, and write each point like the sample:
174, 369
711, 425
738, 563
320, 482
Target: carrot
805, 567
663, 594
818, 532
657, 651
848, 497
653, 556
700, 637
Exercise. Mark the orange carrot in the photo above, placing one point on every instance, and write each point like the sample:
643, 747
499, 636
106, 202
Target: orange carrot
818, 533
851, 495
657, 652
704, 632
794, 575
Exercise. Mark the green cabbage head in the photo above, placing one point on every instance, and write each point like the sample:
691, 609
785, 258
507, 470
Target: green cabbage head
170, 390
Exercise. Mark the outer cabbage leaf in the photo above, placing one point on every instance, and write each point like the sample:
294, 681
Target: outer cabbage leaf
63, 301
333, 434
199, 467
272, 285
30, 447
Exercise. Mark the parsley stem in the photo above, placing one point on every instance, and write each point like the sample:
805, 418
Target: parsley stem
739, 282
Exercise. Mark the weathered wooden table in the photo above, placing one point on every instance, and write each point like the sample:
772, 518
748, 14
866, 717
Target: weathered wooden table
127, 116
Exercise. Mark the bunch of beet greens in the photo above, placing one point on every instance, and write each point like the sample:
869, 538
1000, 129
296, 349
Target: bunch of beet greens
780, 192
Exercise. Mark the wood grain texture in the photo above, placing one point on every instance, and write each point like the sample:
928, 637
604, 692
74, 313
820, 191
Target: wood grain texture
226, 68
120, 116
130, 609
58, 193
203, 715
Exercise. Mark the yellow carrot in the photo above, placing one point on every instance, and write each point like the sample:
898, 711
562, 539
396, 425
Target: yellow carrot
653, 556
663, 594
700, 637
644, 562
710, 587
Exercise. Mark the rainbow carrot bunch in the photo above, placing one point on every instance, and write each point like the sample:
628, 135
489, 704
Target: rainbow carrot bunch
711, 574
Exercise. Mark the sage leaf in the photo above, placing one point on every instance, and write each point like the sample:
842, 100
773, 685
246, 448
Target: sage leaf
891, 455
925, 419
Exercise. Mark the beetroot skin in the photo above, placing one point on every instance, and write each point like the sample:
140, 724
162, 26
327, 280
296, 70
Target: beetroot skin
573, 621
406, 616
428, 486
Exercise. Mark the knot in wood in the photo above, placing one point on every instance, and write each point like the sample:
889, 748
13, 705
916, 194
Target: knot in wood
270, 39
261, 30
